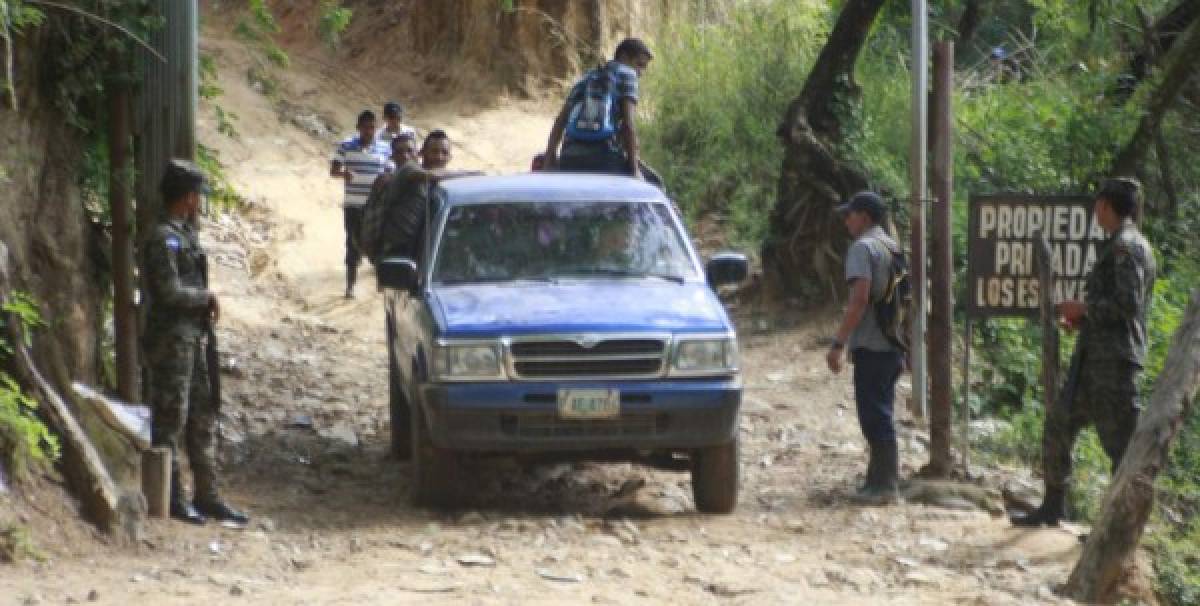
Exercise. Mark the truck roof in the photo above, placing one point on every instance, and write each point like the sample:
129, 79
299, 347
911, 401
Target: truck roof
550, 187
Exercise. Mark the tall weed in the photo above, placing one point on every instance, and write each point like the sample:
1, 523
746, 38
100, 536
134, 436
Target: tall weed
714, 98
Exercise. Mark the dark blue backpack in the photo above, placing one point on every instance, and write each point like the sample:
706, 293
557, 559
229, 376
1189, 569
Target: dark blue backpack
594, 117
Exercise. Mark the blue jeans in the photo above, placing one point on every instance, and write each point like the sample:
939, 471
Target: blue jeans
875, 375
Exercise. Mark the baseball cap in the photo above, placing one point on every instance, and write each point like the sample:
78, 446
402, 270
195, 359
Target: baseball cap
182, 177
865, 201
392, 109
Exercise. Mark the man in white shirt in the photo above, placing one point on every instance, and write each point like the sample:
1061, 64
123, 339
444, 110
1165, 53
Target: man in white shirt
393, 123
358, 161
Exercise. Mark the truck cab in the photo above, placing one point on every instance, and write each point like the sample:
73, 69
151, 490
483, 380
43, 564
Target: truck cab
561, 314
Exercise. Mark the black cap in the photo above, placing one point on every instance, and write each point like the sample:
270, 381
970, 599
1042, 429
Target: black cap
392, 109
865, 201
182, 177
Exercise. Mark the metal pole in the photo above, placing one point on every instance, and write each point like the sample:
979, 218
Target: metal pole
920, 85
124, 313
941, 329
966, 397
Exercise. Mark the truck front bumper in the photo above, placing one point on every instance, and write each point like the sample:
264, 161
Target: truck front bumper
523, 417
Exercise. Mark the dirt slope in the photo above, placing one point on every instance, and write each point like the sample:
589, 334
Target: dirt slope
305, 433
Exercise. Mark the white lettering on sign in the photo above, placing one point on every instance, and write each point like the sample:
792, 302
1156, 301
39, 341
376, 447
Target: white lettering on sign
987, 220
1003, 245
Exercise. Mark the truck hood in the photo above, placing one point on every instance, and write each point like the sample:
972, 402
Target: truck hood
626, 305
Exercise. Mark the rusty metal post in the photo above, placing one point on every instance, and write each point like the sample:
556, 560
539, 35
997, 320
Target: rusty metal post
965, 417
119, 183
941, 326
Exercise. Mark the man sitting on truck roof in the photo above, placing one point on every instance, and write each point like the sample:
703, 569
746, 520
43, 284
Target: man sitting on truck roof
597, 120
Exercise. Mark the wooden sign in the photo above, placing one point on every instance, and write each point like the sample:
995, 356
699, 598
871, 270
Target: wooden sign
1002, 234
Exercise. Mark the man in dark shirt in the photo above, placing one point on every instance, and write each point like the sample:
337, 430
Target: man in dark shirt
1102, 384
180, 307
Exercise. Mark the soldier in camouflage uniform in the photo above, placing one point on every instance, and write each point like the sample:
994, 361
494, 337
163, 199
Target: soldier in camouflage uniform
180, 306
1101, 386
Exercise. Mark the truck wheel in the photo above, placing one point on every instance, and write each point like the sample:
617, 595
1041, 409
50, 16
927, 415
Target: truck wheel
401, 419
715, 477
435, 471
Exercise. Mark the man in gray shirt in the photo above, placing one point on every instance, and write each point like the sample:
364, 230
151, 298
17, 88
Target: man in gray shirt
877, 361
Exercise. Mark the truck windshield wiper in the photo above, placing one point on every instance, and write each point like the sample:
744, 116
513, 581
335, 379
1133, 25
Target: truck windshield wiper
496, 280
626, 273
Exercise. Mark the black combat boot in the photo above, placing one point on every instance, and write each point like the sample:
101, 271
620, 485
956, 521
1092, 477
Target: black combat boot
883, 487
1051, 512
218, 510
181, 509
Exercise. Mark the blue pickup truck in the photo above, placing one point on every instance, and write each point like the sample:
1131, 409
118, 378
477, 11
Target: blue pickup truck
561, 315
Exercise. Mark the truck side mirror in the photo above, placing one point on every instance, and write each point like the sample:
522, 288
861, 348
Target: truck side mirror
726, 268
398, 273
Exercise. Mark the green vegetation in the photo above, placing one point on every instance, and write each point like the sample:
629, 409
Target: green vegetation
223, 197
17, 544
713, 100
717, 91
25, 442
332, 21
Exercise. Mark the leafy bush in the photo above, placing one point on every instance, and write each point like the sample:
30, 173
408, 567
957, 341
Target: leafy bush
713, 99
25, 441
332, 21
222, 197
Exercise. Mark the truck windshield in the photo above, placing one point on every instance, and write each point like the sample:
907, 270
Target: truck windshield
546, 241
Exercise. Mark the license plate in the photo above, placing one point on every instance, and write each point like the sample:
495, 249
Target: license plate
589, 403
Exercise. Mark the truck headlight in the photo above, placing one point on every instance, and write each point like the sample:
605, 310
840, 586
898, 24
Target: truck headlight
478, 362
705, 357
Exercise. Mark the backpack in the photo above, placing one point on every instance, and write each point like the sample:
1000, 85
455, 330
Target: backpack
393, 222
593, 118
369, 238
892, 308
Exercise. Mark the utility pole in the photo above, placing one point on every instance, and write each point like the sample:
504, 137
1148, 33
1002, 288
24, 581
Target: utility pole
941, 328
125, 325
917, 162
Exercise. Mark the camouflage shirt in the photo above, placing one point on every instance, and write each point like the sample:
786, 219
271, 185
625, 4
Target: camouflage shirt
176, 284
1118, 293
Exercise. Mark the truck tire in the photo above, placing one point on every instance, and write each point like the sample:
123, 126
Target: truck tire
715, 478
401, 418
435, 471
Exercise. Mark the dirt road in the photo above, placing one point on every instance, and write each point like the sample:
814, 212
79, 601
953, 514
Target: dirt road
305, 434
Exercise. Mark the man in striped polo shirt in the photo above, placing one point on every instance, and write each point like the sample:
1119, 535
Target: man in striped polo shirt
358, 161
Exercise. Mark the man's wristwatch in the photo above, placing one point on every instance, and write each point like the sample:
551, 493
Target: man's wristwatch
837, 344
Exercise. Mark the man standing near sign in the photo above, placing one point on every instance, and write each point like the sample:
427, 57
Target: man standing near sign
878, 361
1101, 386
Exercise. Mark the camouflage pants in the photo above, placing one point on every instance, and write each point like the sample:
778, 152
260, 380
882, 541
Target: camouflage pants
1105, 395
183, 411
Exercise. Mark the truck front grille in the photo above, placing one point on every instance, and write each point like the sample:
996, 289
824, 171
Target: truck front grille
604, 359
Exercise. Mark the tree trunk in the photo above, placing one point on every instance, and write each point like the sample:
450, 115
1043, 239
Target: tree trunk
968, 25
597, 42
1130, 497
1158, 39
1184, 65
804, 248
102, 500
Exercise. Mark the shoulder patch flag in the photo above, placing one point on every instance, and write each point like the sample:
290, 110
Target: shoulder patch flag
173, 243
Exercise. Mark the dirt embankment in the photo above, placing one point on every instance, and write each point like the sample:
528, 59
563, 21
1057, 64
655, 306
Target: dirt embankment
473, 48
